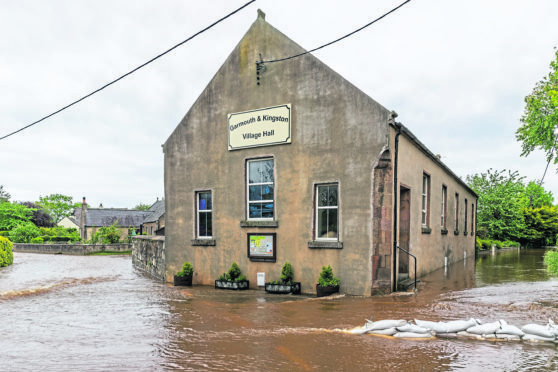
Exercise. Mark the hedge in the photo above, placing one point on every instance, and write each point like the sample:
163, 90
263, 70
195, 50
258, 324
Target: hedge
6, 255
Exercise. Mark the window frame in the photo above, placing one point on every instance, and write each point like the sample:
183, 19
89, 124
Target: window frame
456, 226
472, 218
444, 209
425, 199
465, 218
318, 208
247, 190
198, 214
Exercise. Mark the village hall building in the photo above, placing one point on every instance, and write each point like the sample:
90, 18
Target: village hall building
288, 161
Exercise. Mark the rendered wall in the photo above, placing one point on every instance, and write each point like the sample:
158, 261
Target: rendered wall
338, 134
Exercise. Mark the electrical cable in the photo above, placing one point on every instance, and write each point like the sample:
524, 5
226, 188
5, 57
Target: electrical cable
129, 72
339, 39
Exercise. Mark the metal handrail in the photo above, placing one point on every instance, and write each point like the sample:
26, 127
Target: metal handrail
415, 258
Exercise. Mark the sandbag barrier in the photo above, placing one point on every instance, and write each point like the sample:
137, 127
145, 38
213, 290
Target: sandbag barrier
466, 329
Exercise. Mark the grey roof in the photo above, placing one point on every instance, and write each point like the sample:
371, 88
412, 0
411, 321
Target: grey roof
155, 211
100, 217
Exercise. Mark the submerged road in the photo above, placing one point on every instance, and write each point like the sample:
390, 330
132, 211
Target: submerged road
97, 313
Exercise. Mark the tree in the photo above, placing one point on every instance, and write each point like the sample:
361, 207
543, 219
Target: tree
13, 215
57, 205
538, 196
541, 226
500, 206
142, 207
4, 196
40, 217
540, 118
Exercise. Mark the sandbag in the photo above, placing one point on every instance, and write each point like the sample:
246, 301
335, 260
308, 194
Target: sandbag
508, 329
484, 329
553, 327
460, 325
412, 335
538, 330
507, 337
386, 332
453, 326
385, 324
413, 328
536, 338
465, 334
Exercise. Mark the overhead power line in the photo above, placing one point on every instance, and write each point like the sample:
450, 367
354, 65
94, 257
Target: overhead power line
341, 38
129, 72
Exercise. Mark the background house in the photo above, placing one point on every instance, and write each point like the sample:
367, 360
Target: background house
90, 219
154, 223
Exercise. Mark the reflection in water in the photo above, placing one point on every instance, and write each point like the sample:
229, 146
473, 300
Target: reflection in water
98, 313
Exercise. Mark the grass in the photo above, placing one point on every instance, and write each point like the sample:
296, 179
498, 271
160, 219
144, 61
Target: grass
111, 253
551, 260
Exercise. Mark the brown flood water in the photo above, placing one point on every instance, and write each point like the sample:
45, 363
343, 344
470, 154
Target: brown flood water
68, 313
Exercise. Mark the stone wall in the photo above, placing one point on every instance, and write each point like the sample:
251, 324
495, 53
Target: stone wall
148, 254
71, 249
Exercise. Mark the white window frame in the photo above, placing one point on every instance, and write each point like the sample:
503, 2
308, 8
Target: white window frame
425, 200
248, 184
318, 209
199, 212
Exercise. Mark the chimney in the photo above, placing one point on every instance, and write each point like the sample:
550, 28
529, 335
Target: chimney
82, 219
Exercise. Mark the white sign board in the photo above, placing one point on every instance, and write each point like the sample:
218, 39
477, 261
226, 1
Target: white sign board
261, 127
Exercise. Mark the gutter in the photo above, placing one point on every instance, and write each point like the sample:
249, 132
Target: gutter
397, 126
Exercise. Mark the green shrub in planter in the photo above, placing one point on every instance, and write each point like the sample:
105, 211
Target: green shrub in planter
6, 255
327, 279
235, 272
184, 277
287, 273
187, 270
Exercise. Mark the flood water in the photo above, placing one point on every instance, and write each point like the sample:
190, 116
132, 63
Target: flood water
98, 313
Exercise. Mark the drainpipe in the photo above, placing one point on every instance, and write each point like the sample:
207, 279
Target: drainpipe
395, 194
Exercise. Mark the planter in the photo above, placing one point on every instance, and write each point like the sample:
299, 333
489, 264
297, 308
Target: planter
183, 280
225, 284
326, 291
283, 288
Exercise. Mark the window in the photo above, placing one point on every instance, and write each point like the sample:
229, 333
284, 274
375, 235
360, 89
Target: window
327, 211
456, 212
260, 189
465, 221
472, 218
425, 199
443, 212
205, 215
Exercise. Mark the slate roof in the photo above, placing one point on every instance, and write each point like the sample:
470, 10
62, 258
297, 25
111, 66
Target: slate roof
100, 217
155, 211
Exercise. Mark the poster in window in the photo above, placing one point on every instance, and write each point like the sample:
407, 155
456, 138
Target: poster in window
262, 247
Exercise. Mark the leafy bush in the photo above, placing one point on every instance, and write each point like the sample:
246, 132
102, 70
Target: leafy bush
551, 261
287, 274
24, 233
498, 244
37, 240
478, 244
233, 275
234, 272
5, 234
509, 243
485, 244
106, 235
187, 270
327, 279
12, 215
6, 255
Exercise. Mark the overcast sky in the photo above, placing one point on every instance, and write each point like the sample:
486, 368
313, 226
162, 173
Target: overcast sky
456, 72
